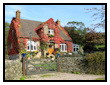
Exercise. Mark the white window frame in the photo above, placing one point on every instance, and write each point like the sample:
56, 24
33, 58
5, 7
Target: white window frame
51, 31
63, 47
33, 44
75, 47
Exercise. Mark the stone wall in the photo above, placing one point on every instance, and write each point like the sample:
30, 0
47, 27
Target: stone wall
72, 64
13, 56
13, 69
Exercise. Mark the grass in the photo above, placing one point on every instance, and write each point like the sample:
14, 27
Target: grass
47, 75
46, 66
24, 77
75, 72
100, 79
100, 46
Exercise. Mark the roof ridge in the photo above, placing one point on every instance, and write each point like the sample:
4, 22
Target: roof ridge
31, 20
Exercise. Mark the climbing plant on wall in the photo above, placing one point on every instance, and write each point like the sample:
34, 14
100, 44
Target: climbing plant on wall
51, 24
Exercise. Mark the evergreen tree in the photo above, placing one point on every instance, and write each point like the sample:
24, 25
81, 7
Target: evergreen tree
7, 27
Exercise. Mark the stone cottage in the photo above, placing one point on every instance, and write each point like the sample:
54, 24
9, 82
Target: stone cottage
50, 32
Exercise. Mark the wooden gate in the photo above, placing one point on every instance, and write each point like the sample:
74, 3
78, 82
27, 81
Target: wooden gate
35, 66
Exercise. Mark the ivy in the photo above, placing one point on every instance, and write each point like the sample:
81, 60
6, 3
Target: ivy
57, 38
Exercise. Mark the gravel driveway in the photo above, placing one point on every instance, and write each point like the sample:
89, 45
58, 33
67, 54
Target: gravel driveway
63, 76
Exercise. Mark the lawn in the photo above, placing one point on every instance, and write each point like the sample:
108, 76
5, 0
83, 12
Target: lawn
100, 79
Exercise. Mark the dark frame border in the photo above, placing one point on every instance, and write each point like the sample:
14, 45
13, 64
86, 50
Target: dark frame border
55, 4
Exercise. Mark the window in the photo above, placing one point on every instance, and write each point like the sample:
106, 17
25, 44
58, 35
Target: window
50, 46
75, 48
33, 46
51, 43
63, 47
51, 31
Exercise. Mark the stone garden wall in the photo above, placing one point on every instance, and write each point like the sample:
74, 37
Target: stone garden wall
72, 64
13, 69
14, 56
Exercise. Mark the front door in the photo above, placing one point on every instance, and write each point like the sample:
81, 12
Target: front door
50, 49
51, 45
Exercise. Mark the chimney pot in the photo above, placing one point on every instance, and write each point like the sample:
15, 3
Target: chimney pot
18, 14
58, 21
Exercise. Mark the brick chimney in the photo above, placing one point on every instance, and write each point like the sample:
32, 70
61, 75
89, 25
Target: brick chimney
18, 14
58, 22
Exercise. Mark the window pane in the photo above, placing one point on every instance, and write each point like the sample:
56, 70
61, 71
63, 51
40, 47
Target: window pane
31, 47
28, 44
62, 47
50, 46
51, 31
28, 47
34, 47
74, 49
65, 47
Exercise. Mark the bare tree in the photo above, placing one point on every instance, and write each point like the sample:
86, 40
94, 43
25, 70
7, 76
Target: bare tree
99, 14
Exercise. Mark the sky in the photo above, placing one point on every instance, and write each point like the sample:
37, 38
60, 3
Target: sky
65, 13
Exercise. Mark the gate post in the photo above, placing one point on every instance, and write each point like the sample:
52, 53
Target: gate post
24, 64
58, 65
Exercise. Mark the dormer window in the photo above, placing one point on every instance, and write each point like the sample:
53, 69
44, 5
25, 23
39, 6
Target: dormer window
51, 31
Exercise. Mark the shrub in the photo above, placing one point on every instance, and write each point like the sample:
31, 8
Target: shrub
81, 51
22, 78
95, 62
51, 35
76, 72
51, 56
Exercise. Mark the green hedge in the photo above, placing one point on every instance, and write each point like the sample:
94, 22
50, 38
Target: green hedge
95, 62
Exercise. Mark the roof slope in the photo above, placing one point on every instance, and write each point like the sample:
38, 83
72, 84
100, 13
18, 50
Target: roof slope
28, 26
64, 36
